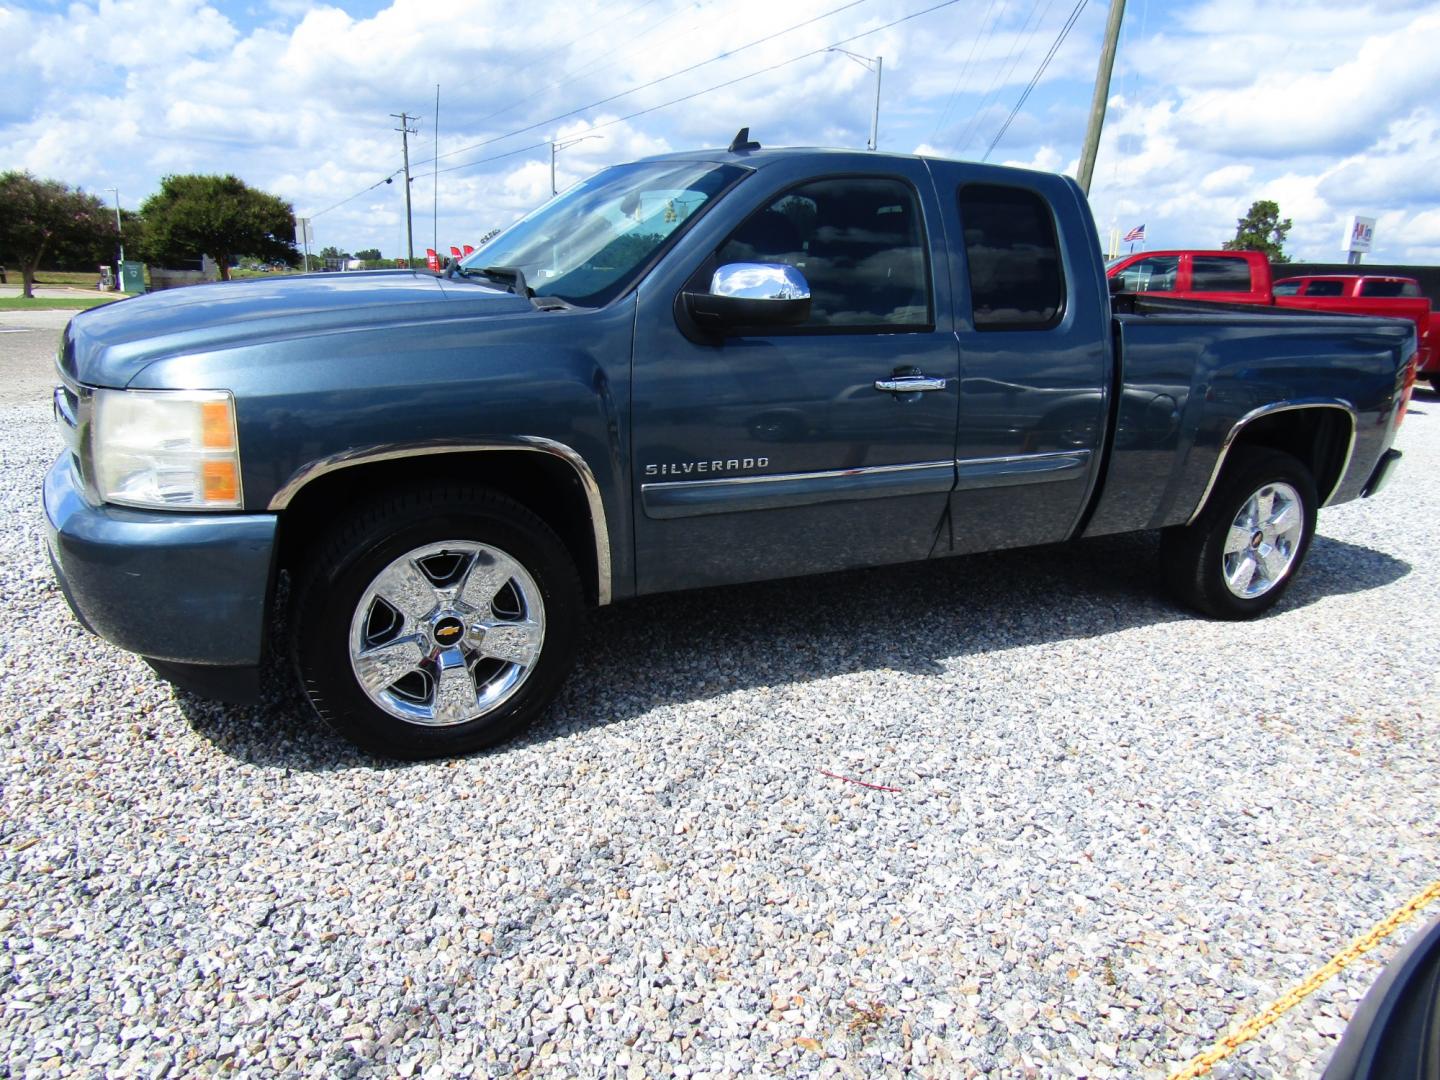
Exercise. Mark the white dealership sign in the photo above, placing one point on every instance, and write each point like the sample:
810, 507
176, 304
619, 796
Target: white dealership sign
1359, 235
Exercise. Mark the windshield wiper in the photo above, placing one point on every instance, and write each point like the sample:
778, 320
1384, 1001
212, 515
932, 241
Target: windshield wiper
516, 278
513, 278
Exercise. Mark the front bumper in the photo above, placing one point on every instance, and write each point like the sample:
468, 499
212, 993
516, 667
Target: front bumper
180, 587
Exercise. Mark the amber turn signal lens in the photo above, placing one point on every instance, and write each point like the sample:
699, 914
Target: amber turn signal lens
216, 430
222, 482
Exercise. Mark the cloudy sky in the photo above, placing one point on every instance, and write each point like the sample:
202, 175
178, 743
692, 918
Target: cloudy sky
1330, 108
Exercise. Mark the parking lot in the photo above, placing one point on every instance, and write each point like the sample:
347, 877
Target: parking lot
1012, 815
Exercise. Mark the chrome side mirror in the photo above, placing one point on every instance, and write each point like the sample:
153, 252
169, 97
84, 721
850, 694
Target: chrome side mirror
760, 281
749, 298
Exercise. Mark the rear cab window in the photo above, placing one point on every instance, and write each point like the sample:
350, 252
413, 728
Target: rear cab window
1325, 287
1012, 257
1389, 287
1219, 273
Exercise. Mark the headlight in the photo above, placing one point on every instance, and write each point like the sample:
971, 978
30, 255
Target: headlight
170, 449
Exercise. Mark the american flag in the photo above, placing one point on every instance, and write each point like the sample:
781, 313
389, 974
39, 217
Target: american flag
1137, 233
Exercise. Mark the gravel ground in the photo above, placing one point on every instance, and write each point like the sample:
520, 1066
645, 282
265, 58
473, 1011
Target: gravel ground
1116, 830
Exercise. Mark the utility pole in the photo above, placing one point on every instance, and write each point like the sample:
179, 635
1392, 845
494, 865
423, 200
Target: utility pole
1102, 94
405, 132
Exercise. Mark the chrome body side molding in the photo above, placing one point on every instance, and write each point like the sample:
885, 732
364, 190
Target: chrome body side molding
1267, 410
370, 455
972, 473
773, 491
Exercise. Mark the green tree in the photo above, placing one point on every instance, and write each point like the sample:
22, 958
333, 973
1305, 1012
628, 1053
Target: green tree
330, 252
45, 218
368, 254
1261, 230
219, 216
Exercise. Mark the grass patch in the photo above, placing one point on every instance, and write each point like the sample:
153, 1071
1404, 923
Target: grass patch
43, 303
83, 278
239, 273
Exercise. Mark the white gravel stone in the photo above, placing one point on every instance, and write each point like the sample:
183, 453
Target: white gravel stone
1118, 830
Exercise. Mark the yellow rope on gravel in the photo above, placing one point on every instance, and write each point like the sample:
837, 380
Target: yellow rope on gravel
1203, 1063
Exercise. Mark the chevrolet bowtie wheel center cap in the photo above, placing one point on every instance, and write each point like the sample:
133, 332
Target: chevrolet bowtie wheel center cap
448, 631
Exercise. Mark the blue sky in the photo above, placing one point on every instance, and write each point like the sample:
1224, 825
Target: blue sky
1329, 108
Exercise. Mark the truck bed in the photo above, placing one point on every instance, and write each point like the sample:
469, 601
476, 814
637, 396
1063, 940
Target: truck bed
1190, 371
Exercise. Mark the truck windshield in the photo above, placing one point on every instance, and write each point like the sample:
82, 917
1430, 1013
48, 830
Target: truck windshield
588, 245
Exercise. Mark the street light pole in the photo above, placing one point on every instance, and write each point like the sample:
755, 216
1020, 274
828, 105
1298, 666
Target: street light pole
875, 64
119, 236
557, 146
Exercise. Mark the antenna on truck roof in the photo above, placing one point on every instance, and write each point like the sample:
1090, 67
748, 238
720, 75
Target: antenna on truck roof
741, 142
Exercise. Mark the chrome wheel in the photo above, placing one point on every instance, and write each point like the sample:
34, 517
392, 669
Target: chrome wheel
1263, 541
447, 633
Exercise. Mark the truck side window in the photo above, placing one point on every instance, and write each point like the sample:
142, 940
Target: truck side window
1389, 287
1012, 257
1216, 273
1325, 288
1157, 274
859, 242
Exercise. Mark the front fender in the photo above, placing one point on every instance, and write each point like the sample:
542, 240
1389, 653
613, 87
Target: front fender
306, 404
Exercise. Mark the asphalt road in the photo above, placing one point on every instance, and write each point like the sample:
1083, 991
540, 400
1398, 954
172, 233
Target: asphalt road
27, 354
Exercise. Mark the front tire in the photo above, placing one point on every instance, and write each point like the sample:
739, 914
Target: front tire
1236, 559
436, 622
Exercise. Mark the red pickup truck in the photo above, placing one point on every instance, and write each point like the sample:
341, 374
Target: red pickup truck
1244, 277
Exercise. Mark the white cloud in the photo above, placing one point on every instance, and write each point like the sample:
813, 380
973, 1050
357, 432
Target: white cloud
1329, 108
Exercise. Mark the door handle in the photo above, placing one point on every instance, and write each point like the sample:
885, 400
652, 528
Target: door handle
909, 384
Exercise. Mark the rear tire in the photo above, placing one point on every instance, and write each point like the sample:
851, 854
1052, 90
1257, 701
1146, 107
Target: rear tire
435, 622
1236, 559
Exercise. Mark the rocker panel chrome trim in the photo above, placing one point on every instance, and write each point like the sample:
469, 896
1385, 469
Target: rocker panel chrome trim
1279, 407
369, 455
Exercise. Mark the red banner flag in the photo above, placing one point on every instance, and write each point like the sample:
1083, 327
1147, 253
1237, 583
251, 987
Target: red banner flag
431, 259
469, 250
454, 252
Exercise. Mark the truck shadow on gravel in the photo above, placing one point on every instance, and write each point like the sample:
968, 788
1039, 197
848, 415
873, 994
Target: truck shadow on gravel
687, 647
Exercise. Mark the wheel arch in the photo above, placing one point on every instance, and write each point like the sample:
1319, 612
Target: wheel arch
549, 478
1320, 432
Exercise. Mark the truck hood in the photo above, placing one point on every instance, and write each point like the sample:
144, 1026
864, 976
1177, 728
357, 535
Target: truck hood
110, 345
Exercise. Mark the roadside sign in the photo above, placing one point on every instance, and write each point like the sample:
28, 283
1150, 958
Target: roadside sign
132, 276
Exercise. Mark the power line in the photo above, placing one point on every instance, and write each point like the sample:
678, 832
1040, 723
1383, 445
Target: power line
1005, 70
1034, 79
589, 31
589, 66
352, 198
987, 30
649, 109
743, 78
482, 161
656, 82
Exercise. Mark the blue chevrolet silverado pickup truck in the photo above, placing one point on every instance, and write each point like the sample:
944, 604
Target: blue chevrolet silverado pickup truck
693, 370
